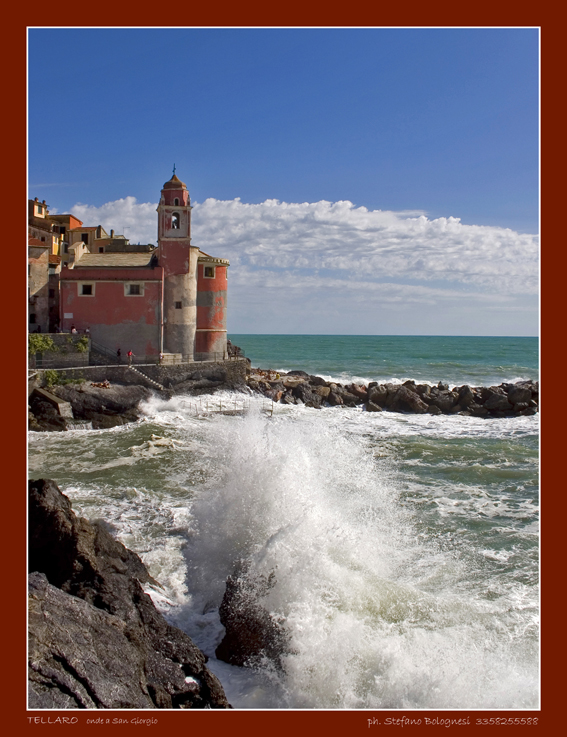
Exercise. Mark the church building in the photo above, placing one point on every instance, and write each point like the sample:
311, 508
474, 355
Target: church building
169, 300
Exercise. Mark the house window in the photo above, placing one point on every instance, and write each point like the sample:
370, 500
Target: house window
134, 290
209, 272
175, 221
178, 305
62, 229
101, 249
32, 318
51, 293
85, 238
43, 238
86, 290
66, 248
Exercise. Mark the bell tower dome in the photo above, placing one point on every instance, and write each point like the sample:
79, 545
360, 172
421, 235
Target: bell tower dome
179, 260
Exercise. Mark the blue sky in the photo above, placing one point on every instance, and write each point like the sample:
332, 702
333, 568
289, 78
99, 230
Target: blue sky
438, 124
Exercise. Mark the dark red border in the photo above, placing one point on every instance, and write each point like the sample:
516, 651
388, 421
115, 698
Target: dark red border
57, 14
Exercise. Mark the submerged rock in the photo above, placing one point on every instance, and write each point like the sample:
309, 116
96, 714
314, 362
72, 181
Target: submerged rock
252, 633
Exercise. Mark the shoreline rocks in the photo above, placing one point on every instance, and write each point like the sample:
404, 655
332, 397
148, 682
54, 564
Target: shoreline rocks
96, 639
299, 387
118, 404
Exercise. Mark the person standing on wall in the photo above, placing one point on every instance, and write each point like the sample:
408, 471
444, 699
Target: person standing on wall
130, 354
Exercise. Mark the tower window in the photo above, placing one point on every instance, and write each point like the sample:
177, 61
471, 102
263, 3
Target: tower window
175, 221
178, 305
176, 201
209, 272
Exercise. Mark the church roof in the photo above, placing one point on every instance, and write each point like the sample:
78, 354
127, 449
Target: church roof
175, 183
120, 260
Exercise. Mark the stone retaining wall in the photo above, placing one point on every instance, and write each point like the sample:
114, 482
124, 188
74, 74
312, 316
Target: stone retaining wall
232, 371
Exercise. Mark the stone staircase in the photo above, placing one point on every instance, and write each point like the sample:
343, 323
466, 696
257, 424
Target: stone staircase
147, 378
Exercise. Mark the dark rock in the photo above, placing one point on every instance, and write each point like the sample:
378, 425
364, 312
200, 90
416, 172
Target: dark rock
520, 406
477, 410
86, 400
434, 410
360, 392
497, 401
350, 400
288, 398
252, 632
334, 398
423, 390
519, 394
371, 407
529, 411
298, 373
405, 400
43, 416
466, 396
444, 399
317, 381
84, 561
305, 393
378, 394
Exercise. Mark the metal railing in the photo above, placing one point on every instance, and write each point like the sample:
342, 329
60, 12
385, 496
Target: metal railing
102, 355
74, 360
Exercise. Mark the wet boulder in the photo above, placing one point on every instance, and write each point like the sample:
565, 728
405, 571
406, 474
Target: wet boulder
252, 633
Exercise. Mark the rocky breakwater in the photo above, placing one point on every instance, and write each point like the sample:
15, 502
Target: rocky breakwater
298, 387
96, 640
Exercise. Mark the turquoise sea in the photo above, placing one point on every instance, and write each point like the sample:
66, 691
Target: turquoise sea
477, 361
404, 548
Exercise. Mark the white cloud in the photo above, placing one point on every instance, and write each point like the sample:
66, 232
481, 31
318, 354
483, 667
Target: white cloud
298, 263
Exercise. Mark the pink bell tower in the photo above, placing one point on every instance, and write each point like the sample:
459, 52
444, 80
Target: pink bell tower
179, 260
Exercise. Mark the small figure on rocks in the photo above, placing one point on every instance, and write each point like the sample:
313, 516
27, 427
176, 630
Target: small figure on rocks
87, 330
73, 329
119, 355
130, 354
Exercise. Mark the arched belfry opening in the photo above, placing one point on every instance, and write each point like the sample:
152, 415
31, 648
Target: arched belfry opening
175, 221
